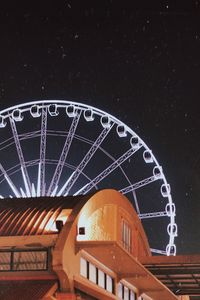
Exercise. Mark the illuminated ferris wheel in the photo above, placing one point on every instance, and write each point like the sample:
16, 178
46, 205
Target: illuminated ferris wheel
59, 148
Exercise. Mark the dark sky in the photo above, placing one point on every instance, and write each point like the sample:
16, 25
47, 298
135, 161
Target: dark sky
139, 62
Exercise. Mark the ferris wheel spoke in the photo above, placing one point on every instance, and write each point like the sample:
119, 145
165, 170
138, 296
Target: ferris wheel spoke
157, 251
33, 191
41, 165
29, 135
23, 193
138, 184
9, 181
21, 157
156, 214
72, 179
107, 171
136, 202
63, 156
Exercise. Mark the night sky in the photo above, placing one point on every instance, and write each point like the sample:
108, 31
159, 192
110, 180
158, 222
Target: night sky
139, 62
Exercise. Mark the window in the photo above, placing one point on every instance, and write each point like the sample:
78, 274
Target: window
132, 295
120, 290
92, 273
126, 236
125, 293
109, 283
19, 260
5, 258
101, 279
29, 260
96, 275
83, 267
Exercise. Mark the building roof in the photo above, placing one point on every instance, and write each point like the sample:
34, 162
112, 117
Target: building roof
30, 216
181, 274
112, 255
26, 289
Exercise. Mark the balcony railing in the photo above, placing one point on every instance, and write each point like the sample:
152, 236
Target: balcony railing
23, 260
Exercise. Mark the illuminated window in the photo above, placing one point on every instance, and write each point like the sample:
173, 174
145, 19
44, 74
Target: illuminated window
101, 278
97, 276
83, 267
132, 295
109, 283
125, 293
120, 290
126, 236
92, 273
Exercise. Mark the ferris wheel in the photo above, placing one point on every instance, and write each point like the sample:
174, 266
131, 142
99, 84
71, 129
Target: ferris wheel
59, 148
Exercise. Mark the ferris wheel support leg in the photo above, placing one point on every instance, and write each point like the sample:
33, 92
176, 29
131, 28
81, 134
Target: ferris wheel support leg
72, 179
63, 156
21, 157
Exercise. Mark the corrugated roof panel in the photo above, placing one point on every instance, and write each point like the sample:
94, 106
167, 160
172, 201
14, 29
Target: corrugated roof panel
30, 216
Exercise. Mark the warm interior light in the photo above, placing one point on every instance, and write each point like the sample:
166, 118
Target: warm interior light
51, 225
90, 224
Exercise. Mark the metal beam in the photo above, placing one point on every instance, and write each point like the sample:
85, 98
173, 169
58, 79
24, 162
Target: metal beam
173, 271
138, 184
21, 157
63, 156
156, 214
136, 202
107, 171
72, 179
158, 251
41, 165
9, 181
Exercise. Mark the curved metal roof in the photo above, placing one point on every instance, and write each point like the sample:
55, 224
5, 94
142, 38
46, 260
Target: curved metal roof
30, 216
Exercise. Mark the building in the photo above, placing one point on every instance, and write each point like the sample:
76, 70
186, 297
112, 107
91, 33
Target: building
83, 247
